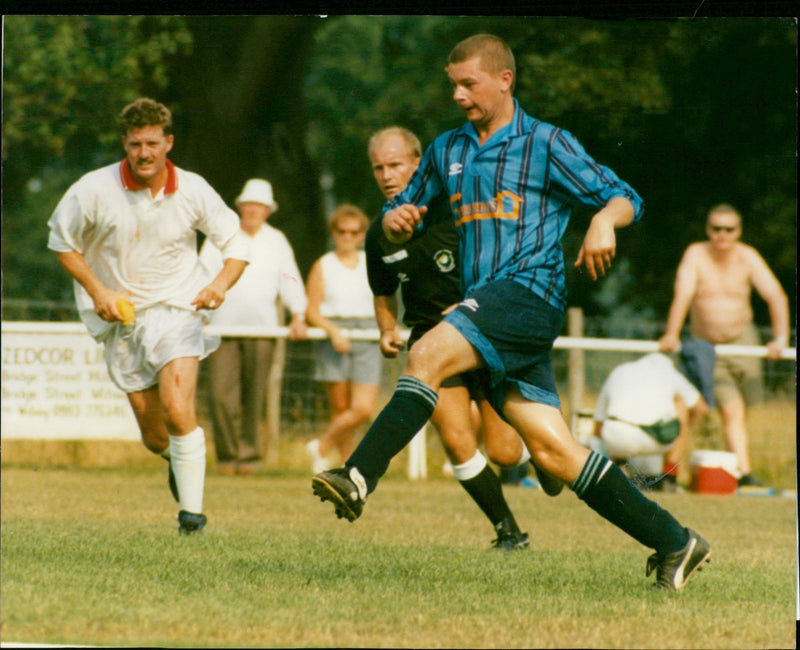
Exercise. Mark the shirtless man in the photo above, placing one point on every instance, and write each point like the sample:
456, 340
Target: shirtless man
713, 285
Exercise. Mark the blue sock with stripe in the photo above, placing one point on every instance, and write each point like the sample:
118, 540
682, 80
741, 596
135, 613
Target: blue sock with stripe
605, 489
406, 413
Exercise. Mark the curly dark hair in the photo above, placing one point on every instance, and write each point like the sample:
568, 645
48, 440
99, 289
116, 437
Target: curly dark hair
145, 112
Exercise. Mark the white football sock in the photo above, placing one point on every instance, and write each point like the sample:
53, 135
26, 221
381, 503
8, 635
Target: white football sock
526, 456
470, 469
189, 465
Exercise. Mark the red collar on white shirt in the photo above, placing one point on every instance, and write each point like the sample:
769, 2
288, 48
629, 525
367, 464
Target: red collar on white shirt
129, 182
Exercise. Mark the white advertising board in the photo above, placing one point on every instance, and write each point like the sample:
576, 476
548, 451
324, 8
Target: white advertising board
55, 385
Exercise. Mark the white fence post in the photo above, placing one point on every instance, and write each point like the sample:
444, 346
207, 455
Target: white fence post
576, 366
271, 435
417, 455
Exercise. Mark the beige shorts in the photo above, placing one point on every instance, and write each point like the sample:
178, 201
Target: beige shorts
136, 353
736, 377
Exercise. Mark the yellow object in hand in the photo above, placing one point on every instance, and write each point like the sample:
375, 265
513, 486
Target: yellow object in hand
126, 309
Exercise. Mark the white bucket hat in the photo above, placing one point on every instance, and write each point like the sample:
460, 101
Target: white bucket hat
257, 190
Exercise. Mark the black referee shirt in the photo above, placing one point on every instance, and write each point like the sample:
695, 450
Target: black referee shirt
425, 268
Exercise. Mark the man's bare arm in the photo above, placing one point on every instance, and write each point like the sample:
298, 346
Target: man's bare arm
213, 295
768, 287
105, 299
386, 317
600, 243
685, 287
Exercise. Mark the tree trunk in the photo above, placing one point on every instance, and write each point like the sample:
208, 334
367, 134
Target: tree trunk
241, 114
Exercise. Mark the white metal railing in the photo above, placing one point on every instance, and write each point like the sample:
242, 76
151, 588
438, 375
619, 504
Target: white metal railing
417, 460
562, 342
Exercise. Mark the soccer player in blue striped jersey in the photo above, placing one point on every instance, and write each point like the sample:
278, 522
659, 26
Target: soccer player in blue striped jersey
425, 271
511, 181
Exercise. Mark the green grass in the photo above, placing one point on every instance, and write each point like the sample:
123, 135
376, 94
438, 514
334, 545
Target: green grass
92, 556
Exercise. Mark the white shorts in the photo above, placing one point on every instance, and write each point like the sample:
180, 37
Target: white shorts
136, 353
622, 441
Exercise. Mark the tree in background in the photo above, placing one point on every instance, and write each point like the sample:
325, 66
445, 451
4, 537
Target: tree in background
691, 112
64, 81
243, 115
235, 87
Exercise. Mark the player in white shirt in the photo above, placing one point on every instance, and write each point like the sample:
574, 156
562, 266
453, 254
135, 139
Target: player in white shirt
127, 235
646, 408
238, 371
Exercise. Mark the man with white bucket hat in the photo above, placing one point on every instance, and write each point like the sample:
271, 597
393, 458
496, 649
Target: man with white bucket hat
238, 371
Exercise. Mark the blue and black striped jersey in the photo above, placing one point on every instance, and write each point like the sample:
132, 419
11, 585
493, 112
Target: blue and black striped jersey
511, 199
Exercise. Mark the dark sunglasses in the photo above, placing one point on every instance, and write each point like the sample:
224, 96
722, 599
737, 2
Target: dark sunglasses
725, 228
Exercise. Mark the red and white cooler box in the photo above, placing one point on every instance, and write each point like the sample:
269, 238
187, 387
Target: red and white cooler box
714, 472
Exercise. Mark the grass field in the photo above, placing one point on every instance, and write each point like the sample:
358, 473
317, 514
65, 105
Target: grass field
92, 556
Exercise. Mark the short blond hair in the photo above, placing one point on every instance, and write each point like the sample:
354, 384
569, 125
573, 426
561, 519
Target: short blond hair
348, 211
724, 208
493, 51
411, 140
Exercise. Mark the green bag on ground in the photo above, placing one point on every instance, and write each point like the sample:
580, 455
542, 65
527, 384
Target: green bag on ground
665, 431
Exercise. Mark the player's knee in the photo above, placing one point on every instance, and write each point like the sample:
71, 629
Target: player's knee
460, 446
504, 446
550, 460
417, 363
180, 419
428, 363
155, 439
504, 456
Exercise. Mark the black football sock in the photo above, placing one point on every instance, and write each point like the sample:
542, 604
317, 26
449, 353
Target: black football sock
606, 490
400, 420
486, 491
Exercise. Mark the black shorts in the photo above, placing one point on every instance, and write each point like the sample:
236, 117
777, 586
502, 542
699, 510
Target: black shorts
477, 382
513, 330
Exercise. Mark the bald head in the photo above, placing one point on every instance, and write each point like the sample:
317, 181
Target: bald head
394, 153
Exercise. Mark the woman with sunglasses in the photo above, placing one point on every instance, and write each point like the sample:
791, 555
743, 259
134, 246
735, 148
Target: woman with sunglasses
339, 298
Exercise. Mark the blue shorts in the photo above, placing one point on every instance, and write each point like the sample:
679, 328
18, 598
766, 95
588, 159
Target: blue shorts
513, 330
475, 381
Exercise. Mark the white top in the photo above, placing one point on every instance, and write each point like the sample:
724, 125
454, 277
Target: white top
347, 292
642, 391
143, 246
272, 272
